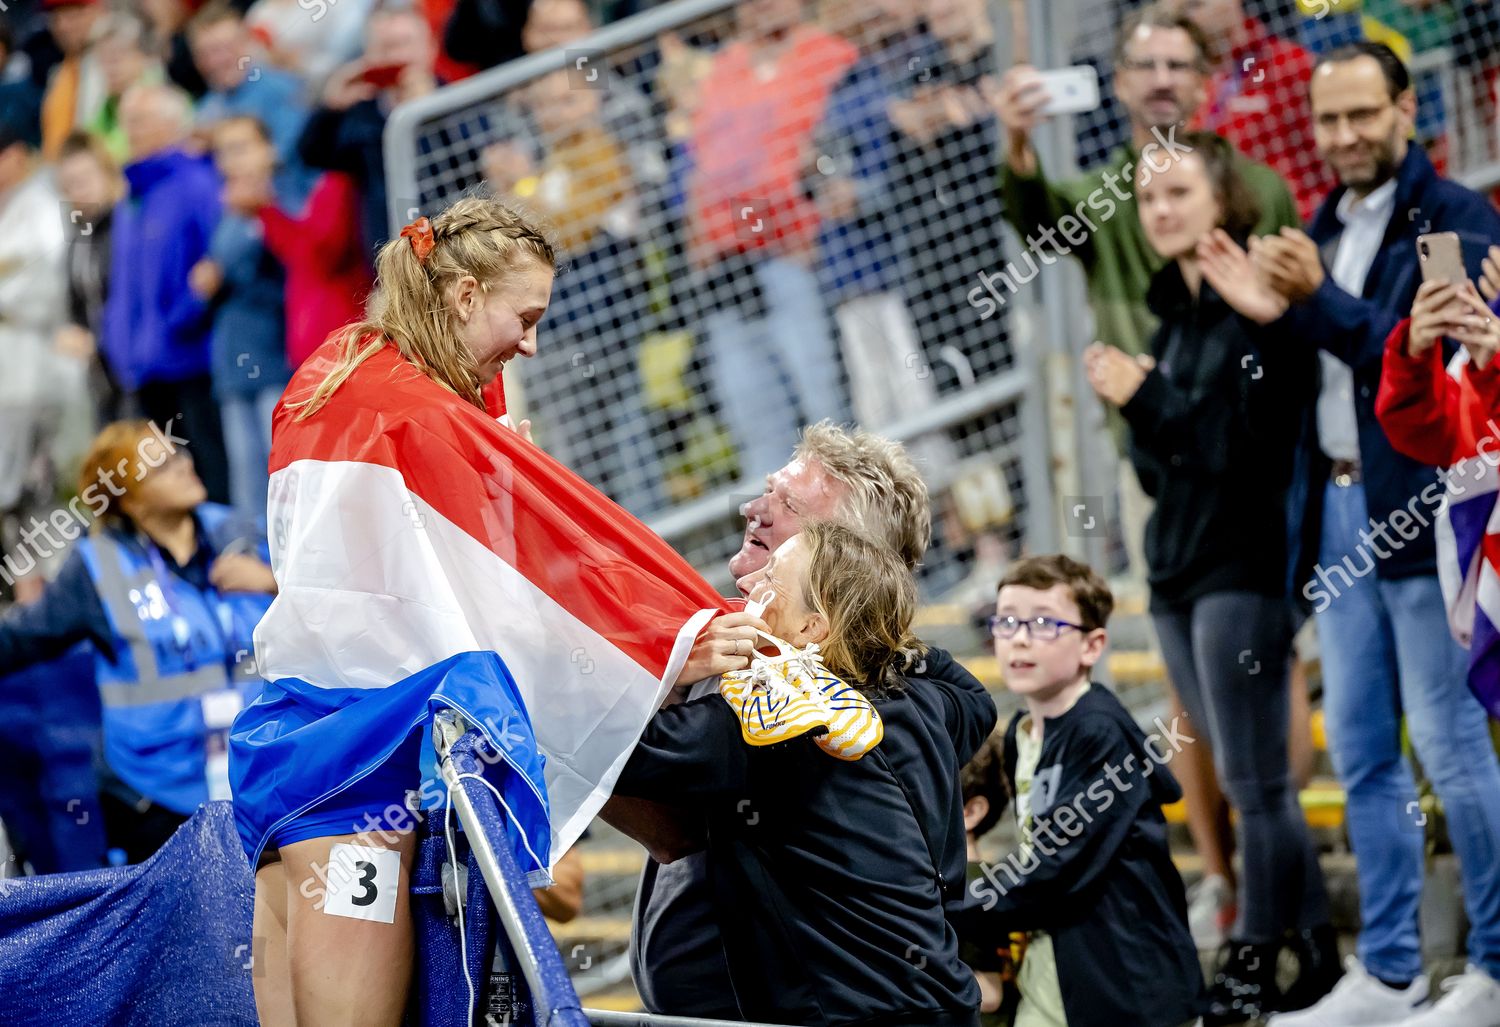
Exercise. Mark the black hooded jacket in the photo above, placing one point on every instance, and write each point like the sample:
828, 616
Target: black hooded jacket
1100, 879
830, 880
1214, 432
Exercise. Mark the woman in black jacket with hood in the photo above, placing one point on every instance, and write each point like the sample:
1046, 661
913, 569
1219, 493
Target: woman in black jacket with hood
833, 876
1215, 412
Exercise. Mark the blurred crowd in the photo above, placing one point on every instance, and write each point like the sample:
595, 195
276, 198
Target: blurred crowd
196, 193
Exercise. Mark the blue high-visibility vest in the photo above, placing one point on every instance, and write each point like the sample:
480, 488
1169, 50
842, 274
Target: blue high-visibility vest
182, 664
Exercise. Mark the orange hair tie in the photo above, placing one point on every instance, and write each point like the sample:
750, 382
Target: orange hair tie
422, 241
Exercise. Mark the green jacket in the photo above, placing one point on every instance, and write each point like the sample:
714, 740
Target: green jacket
1117, 259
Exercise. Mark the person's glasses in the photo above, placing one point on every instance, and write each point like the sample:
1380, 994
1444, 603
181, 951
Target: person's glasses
1039, 628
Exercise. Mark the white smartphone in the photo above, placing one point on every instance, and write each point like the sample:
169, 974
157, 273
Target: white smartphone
1070, 90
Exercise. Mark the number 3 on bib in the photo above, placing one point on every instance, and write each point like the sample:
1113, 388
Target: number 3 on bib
362, 883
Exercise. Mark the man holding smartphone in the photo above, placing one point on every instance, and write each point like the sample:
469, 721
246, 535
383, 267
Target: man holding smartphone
1161, 74
1385, 641
345, 131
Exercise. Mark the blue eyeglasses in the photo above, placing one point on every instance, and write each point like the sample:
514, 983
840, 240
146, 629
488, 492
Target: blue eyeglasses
1039, 628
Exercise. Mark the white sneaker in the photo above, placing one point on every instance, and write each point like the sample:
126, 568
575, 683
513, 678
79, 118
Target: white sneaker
1359, 1000
1472, 999
1211, 912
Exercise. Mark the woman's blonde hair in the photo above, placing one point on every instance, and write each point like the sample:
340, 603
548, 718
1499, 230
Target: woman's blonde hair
477, 236
868, 595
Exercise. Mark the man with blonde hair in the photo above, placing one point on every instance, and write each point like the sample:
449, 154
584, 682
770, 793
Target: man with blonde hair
867, 482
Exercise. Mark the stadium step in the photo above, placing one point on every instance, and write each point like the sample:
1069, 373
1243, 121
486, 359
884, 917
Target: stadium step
1322, 803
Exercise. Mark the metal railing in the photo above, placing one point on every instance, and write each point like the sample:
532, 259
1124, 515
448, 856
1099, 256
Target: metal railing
547, 992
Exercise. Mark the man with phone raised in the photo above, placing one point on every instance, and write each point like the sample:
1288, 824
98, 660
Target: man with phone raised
1161, 71
345, 131
1385, 641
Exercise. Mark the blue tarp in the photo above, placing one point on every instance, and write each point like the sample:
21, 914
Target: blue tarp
168, 942
165, 943
49, 742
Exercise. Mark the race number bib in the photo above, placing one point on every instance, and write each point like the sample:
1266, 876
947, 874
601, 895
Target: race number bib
362, 882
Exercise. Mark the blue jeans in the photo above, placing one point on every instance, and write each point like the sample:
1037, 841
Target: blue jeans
247, 442
777, 373
1386, 650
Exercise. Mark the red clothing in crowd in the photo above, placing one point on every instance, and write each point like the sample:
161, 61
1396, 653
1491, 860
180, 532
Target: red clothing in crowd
1259, 102
327, 279
752, 144
437, 13
1427, 413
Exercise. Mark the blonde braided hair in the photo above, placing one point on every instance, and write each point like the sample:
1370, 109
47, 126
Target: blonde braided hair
409, 308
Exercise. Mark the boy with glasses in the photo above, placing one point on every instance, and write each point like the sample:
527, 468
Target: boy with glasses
1093, 882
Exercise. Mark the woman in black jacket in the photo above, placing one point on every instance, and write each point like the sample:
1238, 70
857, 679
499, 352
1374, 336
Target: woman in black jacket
1215, 413
832, 876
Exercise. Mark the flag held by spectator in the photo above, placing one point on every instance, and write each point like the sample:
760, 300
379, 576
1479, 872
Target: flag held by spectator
1468, 557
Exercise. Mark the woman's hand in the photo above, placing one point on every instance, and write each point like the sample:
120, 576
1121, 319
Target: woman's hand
1478, 330
1489, 279
1437, 311
240, 572
74, 341
1113, 374
206, 278
1235, 277
727, 643
1289, 263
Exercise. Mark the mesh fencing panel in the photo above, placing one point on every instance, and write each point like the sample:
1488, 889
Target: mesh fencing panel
768, 216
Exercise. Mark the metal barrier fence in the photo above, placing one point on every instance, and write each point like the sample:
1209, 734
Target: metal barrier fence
752, 245
759, 231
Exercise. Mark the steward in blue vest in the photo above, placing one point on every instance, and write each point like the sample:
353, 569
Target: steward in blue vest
168, 594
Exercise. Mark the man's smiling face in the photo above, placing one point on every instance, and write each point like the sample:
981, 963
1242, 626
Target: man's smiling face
801, 489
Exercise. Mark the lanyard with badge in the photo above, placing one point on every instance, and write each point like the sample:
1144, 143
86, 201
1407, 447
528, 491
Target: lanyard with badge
221, 705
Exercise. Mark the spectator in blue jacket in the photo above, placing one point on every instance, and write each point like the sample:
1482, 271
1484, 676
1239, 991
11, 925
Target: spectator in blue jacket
167, 588
1386, 646
246, 287
157, 329
241, 79
20, 99
861, 246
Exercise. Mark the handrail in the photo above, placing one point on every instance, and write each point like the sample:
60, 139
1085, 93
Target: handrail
553, 1001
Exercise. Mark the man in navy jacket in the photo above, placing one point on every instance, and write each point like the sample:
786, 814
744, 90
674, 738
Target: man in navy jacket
1385, 645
